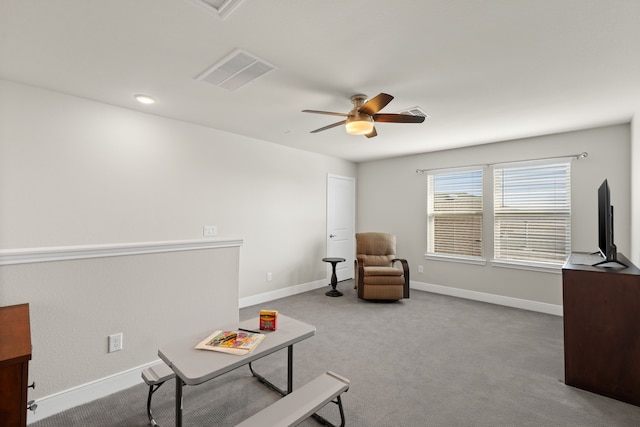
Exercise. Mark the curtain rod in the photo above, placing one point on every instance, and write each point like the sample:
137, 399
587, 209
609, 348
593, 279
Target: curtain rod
582, 155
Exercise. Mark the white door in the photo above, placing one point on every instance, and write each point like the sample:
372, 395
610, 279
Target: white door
341, 218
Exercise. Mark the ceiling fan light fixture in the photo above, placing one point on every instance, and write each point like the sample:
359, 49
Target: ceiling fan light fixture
359, 124
360, 120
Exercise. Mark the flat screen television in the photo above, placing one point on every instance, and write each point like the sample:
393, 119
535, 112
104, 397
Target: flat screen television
606, 246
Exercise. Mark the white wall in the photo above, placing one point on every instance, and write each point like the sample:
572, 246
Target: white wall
392, 198
77, 172
151, 299
635, 188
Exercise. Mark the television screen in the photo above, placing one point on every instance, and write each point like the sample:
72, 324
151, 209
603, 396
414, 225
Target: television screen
605, 231
606, 245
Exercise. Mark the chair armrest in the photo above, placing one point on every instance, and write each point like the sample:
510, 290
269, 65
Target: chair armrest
359, 271
405, 264
405, 268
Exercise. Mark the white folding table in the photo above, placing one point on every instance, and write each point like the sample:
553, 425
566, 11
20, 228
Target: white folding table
193, 367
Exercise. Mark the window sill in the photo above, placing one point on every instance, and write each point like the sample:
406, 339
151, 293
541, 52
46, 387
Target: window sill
540, 267
453, 258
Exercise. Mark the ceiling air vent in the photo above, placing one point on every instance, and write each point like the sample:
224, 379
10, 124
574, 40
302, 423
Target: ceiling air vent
415, 111
236, 70
222, 8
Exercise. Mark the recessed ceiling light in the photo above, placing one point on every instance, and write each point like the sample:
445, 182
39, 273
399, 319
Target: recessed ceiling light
144, 99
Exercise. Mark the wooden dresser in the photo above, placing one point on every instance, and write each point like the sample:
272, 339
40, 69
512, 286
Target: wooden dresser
15, 353
602, 329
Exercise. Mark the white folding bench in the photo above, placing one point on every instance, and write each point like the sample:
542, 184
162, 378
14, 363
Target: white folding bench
156, 375
302, 403
288, 411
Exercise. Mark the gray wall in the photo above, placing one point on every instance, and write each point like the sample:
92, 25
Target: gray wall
392, 198
635, 188
151, 299
77, 172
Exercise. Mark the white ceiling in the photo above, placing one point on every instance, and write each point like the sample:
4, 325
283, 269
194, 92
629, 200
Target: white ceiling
484, 70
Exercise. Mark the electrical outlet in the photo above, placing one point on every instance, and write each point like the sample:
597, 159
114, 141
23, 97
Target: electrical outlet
420, 269
269, 277
115, 342
210, 230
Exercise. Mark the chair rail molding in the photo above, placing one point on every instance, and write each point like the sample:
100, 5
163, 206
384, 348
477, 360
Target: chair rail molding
65, 253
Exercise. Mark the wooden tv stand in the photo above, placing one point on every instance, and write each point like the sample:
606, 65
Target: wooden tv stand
602, 329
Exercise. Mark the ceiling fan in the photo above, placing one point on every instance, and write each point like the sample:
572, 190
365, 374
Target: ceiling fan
360, 120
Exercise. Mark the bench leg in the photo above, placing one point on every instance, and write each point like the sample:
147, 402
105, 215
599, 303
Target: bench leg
326, 422
152, 389
263, 380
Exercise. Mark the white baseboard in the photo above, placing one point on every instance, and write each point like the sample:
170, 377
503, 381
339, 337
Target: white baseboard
67, 399
281, 293
524, 304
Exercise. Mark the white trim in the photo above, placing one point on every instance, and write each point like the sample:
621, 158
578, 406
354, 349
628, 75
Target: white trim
67, 399
523, 265
524, 304
455, 258
65, 253
281, 293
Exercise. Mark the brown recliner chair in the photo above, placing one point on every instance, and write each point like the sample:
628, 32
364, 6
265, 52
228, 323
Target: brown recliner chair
376, 276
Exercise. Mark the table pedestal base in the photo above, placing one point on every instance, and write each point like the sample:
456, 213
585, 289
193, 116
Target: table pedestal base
334, 279
333, 293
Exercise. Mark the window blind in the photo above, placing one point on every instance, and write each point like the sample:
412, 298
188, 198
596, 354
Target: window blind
532, 213
455, 213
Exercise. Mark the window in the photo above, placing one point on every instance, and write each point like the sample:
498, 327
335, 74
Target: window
532, 213
454, 216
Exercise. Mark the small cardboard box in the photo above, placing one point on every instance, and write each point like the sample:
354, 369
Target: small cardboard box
268, 320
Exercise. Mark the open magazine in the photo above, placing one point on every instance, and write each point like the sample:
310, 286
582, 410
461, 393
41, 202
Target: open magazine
234, 342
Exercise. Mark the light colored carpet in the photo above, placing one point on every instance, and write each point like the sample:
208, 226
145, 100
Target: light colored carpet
431, 360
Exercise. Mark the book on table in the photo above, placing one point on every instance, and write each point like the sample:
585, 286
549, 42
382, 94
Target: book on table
234, 342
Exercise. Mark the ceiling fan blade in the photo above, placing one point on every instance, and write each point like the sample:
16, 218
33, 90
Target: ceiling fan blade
372, 133
376, 104
330, 113
397, 118
329, 126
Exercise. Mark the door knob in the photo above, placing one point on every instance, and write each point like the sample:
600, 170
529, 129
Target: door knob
332, 236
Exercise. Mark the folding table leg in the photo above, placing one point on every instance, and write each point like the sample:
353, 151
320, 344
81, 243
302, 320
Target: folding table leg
179, 385
272, 386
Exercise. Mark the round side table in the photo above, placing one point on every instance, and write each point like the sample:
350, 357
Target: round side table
334, 279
